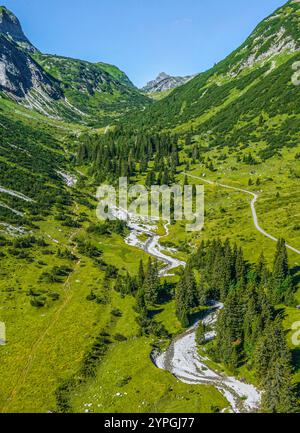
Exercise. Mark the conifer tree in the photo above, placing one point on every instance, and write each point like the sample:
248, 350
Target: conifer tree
140, 303
141, 274
282, 289
186, 296
261, 270
281, 266
240, 268
200, 333
151, 283
273, 367
230, 331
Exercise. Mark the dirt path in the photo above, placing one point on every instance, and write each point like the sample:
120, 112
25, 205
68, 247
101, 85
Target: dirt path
253, 210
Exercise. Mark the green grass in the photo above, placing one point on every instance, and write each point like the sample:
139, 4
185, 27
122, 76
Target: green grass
228, 212
31, 374
148, 390
46, 346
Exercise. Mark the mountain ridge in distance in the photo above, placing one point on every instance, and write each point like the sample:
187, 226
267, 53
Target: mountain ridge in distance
254, 79
165, 82
70, 284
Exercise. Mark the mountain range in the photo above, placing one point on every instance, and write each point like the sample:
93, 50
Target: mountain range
240, 99
165, 82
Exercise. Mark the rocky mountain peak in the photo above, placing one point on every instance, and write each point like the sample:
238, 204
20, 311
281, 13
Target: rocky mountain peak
162, 76
21, 77
10, 27
165, 82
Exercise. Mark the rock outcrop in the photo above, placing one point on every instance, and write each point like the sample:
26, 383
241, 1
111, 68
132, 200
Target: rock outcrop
10, 26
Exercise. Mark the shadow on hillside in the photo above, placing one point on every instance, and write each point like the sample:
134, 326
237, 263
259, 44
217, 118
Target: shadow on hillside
296, 358
199, 315
153, 313
295, 272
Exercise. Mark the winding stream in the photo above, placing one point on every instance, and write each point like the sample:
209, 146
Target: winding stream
182, 358
140, 226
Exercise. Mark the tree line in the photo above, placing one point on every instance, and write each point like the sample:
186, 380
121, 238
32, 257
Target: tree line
125, 153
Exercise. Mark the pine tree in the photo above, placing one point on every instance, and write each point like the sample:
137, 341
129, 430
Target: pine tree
202, 291
141, 274
271, 345
282, 287
198, 260
281, 265
186, 296
228, 272
261, 270
140, 303
151, 283
229, 340
253, 324
273, 367
279, 395
200, 333
240, 268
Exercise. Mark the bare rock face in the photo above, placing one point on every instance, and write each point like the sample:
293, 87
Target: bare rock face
42, 82
10, 26
21, 77
19, 73
276, 35
165, 82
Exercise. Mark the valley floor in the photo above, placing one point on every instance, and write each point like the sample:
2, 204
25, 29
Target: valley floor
45, 346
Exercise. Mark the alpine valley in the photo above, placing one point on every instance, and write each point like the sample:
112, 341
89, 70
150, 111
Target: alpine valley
133, 316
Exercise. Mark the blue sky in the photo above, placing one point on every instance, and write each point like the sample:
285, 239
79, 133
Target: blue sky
142, 37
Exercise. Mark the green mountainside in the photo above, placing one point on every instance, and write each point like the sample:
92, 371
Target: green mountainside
116, 73
240, 99
61, 87
97, 90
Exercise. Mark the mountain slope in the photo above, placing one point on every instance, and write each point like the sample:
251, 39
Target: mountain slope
11, 27
79, 339
20, 74
61, 87
93, 88
252, 88
116, 73
165, 82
